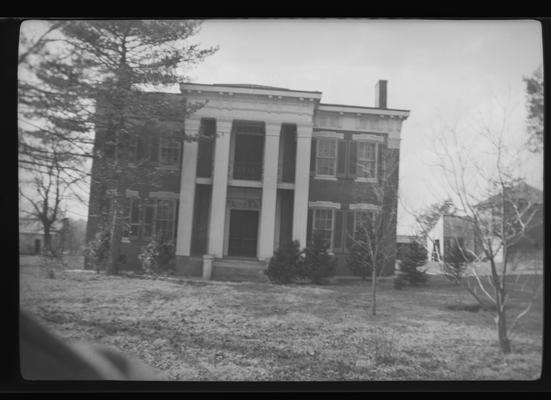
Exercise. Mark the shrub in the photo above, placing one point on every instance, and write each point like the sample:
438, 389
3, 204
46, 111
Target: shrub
157, 257
286, 263
358, 261
97, 250
456, 260
411, 258
319, 264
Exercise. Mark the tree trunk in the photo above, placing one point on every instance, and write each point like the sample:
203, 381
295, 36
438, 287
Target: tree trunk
47, 249
374, 290
504, 341
112, 267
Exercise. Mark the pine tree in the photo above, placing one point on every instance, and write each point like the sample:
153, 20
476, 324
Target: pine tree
95, 80
319, 264
286, 263
412, 257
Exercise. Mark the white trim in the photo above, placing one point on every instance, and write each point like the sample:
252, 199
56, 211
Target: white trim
326, 177
324, 204
364, 179
364, 206
285, 185
328, 134
164, 195
368, 137
361, 110
220, 89
132, 193
244, 183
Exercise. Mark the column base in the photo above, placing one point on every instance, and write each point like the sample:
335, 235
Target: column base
189, 266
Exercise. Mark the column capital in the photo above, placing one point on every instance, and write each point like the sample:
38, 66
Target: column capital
192, 126
224, 125
305, 131
273, 128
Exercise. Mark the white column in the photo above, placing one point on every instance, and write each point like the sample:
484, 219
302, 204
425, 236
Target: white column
302, 183
219, 188
269, 191
187, 189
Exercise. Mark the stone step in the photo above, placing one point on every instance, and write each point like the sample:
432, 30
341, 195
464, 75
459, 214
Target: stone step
239, 270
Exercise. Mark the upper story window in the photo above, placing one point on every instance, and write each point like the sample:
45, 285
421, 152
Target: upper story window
366, 160
169, 149
326, 157
323, 222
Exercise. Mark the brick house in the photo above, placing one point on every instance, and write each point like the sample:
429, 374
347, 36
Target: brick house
273, 165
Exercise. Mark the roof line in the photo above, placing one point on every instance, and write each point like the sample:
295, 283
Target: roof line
370, 108
258, 87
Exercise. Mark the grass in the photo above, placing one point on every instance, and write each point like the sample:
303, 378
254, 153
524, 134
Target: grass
197, 330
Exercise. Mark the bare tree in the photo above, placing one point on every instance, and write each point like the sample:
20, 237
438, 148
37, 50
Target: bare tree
375, 229
488, 191
44, 191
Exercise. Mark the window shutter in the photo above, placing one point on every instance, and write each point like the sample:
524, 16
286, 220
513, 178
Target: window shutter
337, 235
380, 163
341, 158
154, 148
309, 225
313, 158
349, 229
140, 148
352, 157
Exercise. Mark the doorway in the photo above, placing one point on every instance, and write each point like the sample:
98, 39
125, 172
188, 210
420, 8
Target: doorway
243, 233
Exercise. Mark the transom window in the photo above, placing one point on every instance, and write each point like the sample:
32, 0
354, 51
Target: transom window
367, 159
326, 157
323, 222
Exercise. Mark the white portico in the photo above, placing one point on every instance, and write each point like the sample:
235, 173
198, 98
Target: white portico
247, 189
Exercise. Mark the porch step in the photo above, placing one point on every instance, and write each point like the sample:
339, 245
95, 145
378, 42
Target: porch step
235, 269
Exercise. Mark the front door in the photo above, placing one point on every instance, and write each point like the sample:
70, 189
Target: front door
243, 233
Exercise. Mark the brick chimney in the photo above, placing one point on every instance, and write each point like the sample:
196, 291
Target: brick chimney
380, 94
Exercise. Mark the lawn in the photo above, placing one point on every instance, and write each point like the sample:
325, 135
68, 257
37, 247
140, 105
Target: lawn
198, 330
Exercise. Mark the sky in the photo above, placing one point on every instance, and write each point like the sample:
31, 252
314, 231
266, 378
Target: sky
447, 73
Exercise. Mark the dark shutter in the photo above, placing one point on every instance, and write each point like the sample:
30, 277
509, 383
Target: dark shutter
154, 147
309, 225
341, 158
380, 162
349, 229
140, 148
337, 235
352, 159
313, 158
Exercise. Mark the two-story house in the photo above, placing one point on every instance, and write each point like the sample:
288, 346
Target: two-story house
272, 165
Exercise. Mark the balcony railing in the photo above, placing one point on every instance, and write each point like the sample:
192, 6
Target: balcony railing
251, 171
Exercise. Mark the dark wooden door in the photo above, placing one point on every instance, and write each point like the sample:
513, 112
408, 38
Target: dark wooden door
243, 233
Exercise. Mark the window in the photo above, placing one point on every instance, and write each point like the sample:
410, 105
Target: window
326, 157
135, 218
366, 160
148, 219
363, 219
169, 152
164, 221
323, 222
